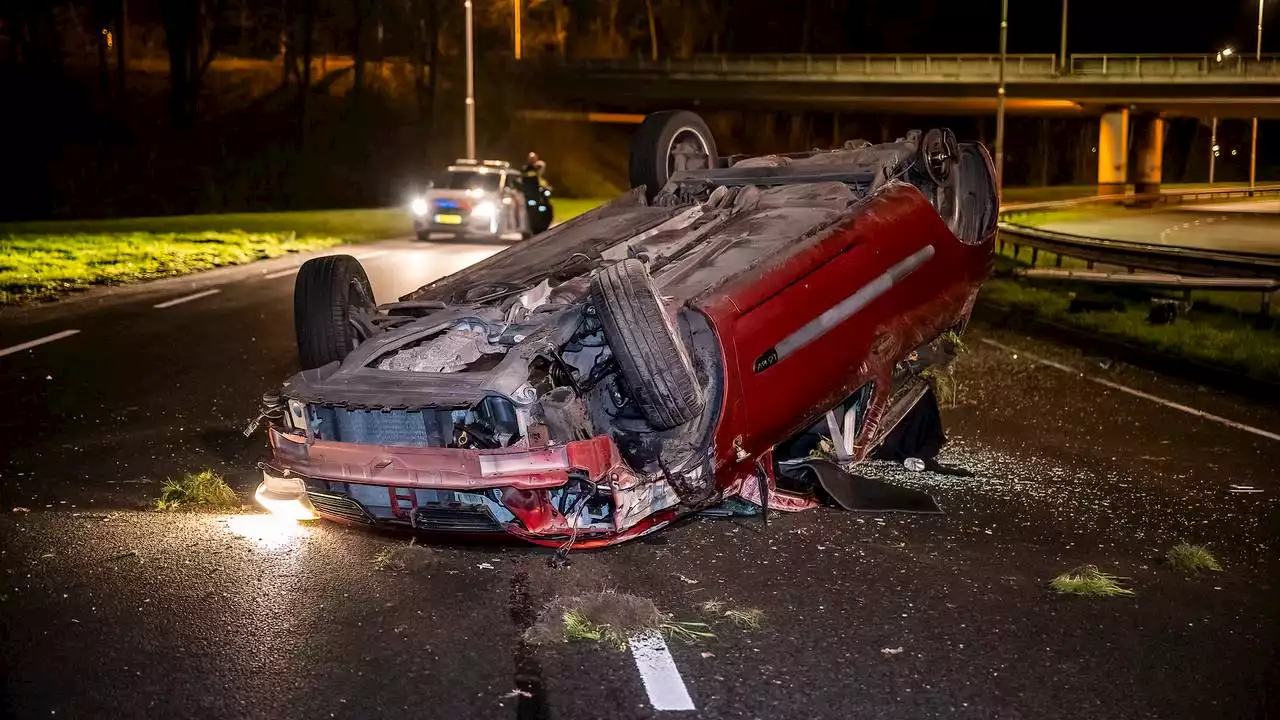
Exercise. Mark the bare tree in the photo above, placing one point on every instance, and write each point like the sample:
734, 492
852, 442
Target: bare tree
189, 29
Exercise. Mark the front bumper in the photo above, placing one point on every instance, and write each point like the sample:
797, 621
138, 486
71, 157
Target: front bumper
539, 495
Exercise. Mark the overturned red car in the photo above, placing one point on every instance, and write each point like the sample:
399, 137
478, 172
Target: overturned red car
648, 359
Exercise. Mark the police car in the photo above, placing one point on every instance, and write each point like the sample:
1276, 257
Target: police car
478, 199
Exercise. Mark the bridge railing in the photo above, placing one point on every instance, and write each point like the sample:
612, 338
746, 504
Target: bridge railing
1168, 67
868, 65
953, 67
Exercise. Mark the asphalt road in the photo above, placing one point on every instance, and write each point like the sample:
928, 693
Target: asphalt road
112, 611
1238, 227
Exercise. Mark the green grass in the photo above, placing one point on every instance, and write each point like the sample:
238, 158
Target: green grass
1191, 559
577, 626
205, 490
1089, 581
1226, 340
46, 260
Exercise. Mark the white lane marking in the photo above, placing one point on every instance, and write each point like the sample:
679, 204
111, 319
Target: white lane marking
1044, 361
371, 255
1138, 393
185, 298
37, 342
658, 671
281, 273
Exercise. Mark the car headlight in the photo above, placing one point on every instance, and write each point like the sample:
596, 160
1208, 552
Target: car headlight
419, 206
484, 209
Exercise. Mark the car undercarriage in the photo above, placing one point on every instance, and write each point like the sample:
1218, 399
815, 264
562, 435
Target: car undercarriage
648, 359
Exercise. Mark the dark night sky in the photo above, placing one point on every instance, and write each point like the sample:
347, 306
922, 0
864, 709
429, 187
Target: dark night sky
941, 26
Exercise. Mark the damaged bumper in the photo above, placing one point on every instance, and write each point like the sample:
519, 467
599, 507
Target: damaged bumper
546, 495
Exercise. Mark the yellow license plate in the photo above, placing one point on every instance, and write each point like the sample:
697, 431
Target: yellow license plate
449, 219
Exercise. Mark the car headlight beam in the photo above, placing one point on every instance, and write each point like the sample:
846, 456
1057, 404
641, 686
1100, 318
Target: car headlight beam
419, 207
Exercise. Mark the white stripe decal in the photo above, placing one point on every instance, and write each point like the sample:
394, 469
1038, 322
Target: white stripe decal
371, 255
185, 298
37, 342
1138, 393
658, 671
280, 273
845, 309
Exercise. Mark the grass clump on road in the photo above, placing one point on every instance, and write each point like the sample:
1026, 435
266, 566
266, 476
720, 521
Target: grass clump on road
401, 557
205, 490
1190, 558
744, 617
609, 618
1089, 581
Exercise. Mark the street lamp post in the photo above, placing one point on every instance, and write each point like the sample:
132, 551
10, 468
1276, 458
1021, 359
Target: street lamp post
1004, 38
518, 39
1062, 49
1253, 152
1213, 148
471, 84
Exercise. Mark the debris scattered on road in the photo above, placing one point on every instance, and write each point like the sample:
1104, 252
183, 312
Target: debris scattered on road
485, 566
913, 464
1089, 581
517, 693
746, 618
20, 509
685, 579
891, 651
1192, 559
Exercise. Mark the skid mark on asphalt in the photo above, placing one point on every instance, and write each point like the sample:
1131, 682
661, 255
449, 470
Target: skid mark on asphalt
1136, 393
37, 342
659, 672
185, 298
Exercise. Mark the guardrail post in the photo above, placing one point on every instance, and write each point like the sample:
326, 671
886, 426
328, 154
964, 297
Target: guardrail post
1089, 264
1057, 261
1035, 253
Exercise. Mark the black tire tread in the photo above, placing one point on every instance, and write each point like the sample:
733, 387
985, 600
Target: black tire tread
651, 358
321, 306
654, 133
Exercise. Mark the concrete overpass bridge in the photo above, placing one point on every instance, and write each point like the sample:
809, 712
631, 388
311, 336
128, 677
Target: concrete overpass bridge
1131, 94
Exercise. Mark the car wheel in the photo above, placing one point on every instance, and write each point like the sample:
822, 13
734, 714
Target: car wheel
332, 307
668, 142
651, 357
424, 236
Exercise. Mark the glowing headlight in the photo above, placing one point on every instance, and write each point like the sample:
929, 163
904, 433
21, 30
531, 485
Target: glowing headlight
483, 210
419, 206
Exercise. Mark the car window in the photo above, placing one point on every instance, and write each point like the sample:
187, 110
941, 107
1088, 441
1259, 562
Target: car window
466, 180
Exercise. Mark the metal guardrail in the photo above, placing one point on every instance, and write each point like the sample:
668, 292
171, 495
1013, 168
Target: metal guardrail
1145, 256
955, 67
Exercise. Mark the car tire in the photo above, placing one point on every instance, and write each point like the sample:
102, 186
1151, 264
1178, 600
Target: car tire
423, 236
654, 155
329, 296
652, 358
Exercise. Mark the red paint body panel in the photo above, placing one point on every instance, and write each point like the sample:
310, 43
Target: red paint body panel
758, 309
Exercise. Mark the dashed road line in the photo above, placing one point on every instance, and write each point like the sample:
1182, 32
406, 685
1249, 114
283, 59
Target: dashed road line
1137, 393
658, 671
281, 273
37, 342
185, 298
294, 270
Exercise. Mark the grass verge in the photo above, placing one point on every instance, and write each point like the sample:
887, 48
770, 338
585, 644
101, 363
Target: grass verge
1215, 331
1089, 581
1191, 559
42, 261
205, 490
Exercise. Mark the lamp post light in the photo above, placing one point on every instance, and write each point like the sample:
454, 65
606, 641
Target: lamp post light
471, 84
1253, 152
1000, 96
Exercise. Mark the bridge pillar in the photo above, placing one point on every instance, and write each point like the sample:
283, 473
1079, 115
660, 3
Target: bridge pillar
1148, 141
1113, 152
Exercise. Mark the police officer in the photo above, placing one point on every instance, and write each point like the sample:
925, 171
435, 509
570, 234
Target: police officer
536, 193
